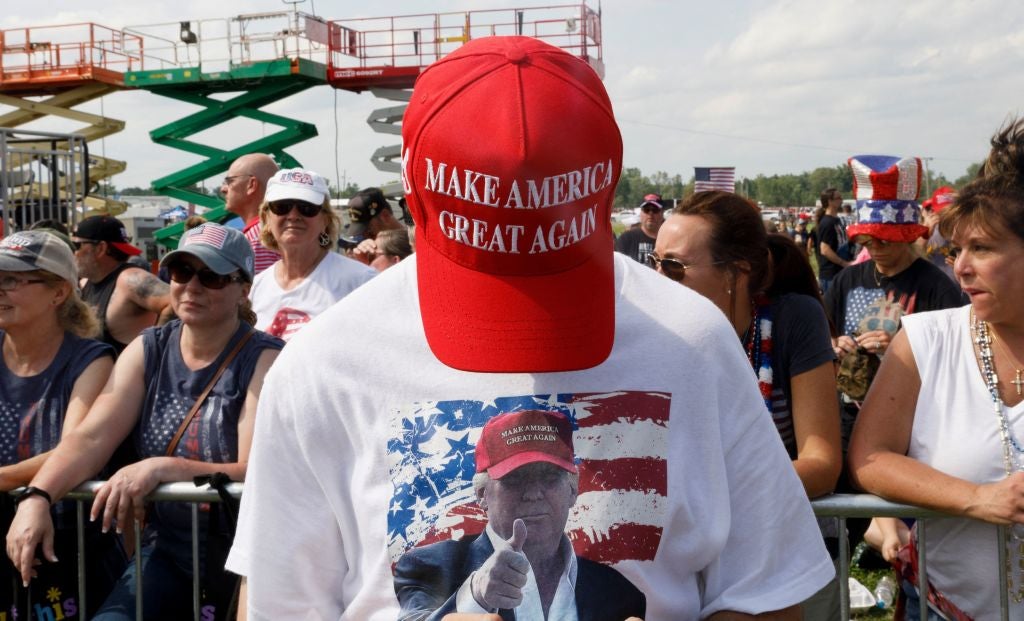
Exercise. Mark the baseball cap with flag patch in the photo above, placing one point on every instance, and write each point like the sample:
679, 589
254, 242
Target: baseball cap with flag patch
887, 188
223, 249
510, 159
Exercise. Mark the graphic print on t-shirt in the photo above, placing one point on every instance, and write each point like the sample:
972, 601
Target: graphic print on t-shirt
287, 321
618, 445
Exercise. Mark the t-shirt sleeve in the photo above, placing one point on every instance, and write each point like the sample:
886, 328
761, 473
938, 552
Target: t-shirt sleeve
808, 343
773, 556
828, 234
87, 352
623, 245
281, 521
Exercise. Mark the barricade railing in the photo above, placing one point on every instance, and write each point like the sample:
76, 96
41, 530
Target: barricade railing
840, 506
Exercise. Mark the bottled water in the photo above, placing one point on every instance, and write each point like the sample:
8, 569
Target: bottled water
885, 592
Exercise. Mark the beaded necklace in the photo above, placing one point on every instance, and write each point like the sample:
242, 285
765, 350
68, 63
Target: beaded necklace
760, 355
1012, 449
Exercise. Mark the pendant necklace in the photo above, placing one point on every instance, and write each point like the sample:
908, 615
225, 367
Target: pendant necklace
1012, 450
1017, 382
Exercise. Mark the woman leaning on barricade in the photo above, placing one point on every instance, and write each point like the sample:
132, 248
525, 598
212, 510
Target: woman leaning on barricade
943, 424
187, 393
716, 244
50, 373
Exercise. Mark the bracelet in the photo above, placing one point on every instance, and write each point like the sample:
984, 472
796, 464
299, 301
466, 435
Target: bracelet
33, 491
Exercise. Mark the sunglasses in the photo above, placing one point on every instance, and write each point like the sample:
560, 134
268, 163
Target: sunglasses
873, 242
182, 274
673, 268
78, 244
283, 208
10, 283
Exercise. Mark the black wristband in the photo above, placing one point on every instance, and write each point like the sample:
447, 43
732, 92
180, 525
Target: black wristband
33, 491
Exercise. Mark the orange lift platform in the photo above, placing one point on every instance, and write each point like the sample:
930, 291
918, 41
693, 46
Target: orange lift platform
49, 70
385, 55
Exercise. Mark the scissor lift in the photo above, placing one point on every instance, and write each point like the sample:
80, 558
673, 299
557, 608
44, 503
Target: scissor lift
50, 70
385, 55
258, 58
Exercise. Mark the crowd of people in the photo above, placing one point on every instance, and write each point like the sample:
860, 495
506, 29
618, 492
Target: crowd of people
525, 423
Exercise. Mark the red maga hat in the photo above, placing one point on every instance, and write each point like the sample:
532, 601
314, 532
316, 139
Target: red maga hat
510, 159
515, 439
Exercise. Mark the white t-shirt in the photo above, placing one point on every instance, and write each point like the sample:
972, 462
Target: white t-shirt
283, 313
364, 449
956, 431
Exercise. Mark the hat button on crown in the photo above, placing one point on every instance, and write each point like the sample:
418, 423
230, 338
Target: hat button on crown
515, 55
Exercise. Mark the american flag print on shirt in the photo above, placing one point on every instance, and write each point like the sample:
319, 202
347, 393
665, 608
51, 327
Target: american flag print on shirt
287, 322
714, 178
620, 442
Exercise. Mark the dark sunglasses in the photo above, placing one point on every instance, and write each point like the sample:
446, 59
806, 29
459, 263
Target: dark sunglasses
673, 268
283, 208
78, 244
182, 274
872, 242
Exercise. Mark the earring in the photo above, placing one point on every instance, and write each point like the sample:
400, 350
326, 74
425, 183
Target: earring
325, 239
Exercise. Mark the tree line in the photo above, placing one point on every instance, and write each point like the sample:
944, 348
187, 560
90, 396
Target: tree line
802, 189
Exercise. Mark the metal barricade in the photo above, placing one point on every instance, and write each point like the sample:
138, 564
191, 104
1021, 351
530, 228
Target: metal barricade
841, 506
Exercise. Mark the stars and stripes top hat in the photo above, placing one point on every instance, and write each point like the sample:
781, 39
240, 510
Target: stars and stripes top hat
887, 188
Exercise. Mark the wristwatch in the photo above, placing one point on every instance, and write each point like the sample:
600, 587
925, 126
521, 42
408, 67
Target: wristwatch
33, 491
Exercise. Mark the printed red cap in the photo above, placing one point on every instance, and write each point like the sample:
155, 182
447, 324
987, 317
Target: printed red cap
511, 155
515, 439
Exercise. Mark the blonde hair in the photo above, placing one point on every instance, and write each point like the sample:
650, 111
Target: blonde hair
332, 224
73, 314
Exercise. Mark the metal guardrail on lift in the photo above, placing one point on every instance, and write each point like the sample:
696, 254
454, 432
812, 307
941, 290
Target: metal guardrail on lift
389, 52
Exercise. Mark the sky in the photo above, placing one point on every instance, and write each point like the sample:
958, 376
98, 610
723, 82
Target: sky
767, 86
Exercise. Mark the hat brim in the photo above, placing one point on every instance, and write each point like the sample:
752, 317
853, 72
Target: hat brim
209, 256
506, 466
904, 233
355, 231
14, 264
128, 249
489, 323
280, 191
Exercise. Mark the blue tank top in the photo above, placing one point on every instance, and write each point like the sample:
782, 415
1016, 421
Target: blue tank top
32, 408
171, 390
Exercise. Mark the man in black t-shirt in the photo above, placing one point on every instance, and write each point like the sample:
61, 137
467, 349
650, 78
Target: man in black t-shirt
831, 235
638, 242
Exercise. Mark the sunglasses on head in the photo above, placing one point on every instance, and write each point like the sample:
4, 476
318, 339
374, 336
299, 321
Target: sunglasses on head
673, 268
182, 274
283, 208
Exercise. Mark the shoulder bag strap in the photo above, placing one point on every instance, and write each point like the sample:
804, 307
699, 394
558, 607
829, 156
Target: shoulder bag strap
202, 397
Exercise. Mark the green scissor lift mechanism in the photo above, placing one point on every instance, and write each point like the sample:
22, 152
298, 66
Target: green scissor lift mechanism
259, 83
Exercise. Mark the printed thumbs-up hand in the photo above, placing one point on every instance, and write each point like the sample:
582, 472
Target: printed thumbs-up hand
498, 584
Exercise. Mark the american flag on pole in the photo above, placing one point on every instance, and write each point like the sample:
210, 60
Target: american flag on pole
715, 178
620, 441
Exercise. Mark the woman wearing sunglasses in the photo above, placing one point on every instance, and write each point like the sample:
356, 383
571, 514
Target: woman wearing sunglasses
51, 371
298, 223
716, 244
187, 393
